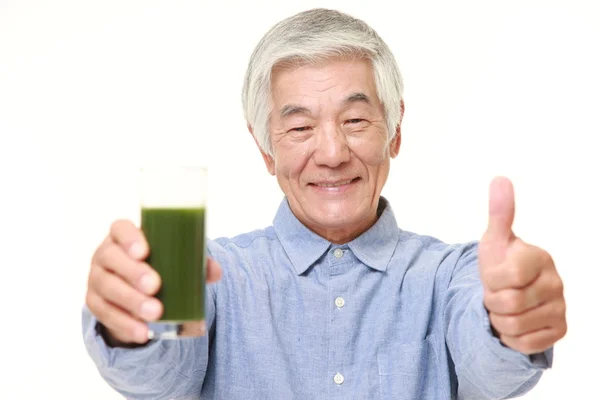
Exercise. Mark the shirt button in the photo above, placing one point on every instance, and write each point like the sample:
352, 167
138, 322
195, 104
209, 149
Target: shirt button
339, 302
338, 378
338, 253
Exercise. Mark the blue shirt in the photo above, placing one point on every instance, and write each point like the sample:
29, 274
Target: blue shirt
389, 315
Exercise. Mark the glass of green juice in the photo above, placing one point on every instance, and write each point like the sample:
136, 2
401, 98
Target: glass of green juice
173, 220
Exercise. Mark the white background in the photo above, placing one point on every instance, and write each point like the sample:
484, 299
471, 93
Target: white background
90, 90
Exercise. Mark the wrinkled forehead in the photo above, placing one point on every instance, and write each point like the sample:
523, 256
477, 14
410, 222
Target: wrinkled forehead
341, 80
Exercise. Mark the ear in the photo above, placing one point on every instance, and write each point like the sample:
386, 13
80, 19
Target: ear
395, 143
269, 162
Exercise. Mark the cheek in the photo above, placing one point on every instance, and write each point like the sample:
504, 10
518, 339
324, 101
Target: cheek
370, 151
291, 159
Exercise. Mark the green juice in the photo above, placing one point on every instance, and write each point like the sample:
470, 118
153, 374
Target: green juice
177, 243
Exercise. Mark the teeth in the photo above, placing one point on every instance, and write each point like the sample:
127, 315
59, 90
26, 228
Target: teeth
334, 184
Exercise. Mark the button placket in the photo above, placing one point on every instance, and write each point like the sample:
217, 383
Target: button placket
341, 260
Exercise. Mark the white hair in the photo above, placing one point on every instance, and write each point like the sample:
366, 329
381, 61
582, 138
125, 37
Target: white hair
315, 36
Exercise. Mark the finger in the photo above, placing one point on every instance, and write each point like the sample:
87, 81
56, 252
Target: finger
512, 301
509, 277
546, 287
213, 271
501, 212
535, 342
499, 235
521, 267
547, 315
130, 238
115, 290
138, 274
121, 325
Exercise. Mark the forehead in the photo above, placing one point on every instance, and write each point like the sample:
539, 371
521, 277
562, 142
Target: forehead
332, 79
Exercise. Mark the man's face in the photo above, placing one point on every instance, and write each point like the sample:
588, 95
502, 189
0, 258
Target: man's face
331, 153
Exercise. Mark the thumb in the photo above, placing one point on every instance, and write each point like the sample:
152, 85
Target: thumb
213, 270
501, 211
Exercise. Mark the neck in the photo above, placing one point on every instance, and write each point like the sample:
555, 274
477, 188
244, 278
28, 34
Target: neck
344, 234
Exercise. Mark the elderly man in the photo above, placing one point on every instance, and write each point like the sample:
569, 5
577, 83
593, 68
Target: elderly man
334, 301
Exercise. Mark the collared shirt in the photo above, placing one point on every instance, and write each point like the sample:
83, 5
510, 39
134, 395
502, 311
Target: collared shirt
389, 315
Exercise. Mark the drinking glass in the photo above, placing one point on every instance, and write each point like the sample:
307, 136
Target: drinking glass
173, 220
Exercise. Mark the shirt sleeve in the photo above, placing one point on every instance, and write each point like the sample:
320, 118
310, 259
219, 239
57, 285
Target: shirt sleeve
485, 368
162, 369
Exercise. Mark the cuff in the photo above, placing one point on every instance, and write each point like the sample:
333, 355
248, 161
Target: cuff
105, 356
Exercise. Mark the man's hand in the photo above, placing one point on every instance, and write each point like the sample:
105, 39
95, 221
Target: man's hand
121, 285
523, 292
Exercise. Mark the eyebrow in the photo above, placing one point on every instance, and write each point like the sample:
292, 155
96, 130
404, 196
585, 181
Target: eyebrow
357, 97
291, 109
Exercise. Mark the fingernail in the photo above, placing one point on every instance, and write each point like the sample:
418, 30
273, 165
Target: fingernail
136, 250
148, 283
149, 310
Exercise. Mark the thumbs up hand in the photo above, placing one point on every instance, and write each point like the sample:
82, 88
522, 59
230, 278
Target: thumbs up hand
523, 292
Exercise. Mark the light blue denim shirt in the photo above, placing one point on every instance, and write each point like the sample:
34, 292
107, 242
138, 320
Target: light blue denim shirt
389, 315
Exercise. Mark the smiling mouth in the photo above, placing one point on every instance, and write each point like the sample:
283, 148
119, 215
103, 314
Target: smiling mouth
334, 184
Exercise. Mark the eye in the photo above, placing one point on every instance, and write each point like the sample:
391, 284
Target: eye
355, 121
300, 129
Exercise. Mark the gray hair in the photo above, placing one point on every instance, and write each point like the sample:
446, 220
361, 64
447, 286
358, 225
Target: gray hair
310, 37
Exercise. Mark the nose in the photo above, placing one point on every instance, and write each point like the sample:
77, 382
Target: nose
331, 147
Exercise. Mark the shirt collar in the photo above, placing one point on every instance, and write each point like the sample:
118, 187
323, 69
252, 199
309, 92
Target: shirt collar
376, 246
373, 248
302, 245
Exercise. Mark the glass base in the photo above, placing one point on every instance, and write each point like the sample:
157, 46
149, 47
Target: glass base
176, 329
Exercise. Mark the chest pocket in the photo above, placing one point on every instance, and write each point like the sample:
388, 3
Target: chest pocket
410, 371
